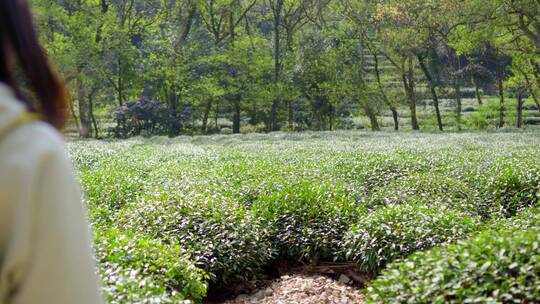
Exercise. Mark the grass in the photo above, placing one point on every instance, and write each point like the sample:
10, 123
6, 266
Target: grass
174, 217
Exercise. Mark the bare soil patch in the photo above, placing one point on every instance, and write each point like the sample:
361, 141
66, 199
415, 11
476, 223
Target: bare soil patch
305, 289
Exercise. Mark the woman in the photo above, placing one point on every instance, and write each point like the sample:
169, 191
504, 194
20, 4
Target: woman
45, 255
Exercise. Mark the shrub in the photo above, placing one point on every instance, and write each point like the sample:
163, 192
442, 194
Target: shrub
488, 114
224, 240
378, 170
512, 184
526, 219
530, 107
230, 204
533, 121
136, 269
512, 187
249, 128
496, 266
146, 117
108, 191
428, 189
226, 131
395, 231
345, 123
477, 120
305, 219
498, 186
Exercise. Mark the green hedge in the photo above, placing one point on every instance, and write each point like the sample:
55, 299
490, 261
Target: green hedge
224, 240
395, 231
500, 265
136, 269
428, 188
305, 219
513, 186
232, 205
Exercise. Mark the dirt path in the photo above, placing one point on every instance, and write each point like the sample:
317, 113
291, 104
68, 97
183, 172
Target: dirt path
303, 289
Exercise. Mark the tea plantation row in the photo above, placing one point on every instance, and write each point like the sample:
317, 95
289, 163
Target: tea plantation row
174, 216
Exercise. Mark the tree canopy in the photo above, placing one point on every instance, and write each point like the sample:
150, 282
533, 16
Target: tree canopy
267, 65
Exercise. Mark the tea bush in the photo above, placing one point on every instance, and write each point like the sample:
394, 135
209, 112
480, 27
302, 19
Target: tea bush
428, 189
176, 215
229, 244
394, 232
501, 265
305, 219
513, 187
136, 269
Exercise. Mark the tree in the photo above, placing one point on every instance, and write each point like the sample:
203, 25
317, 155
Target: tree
361, 14
502, 29
420, 29
73, 38
396, 33
222, 19
288, 64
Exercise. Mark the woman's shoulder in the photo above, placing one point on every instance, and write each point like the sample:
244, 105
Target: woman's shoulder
29, 144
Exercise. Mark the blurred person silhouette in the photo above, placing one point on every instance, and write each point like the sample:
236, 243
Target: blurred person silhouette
45, 253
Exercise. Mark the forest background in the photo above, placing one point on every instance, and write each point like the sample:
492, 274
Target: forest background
171, 67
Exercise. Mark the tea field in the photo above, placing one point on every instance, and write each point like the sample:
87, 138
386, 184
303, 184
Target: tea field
432, 218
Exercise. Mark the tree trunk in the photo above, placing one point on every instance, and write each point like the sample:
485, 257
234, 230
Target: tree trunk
412, 88
92, 116
383, 93
408, 83
432, 88
395, 117
331, 120
173, 98
289, 30
216, 118
500, 82
76, 119
531, 87
236, 116
372, 118
273, 117
458, 105
120, 84
535, 98
276, 9
477, 91
291, 115
84, 131
206, 113
414, 119
519, 119
277, 40
537, 73
185, 27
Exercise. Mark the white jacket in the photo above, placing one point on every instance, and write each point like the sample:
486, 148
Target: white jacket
45, 255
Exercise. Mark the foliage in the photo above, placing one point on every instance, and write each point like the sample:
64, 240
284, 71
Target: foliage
142, 270
500, 265
228, 244
428, 189
233, 205
513, 190
394, 232
289, 65
148, 118
487, 114
305, 219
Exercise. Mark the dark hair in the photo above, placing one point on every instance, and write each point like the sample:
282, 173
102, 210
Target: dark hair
18, 39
